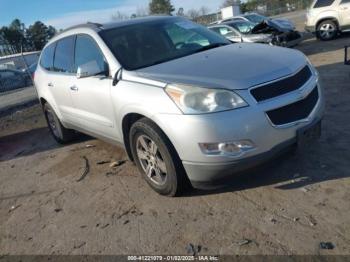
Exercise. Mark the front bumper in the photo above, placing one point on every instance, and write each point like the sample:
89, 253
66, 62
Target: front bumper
187, 131
290, 39
204, 175
310, 29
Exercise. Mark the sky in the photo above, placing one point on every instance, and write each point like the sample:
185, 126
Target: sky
64, 13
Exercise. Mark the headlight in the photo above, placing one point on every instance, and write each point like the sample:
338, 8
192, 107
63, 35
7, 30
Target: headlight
197, 100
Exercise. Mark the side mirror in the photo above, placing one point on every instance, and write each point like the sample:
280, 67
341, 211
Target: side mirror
346, 59
92, 69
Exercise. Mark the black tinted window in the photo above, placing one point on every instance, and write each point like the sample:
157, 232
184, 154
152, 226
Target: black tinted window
63, 61
87, 52
323, 3
46, 60
345, 1
140, 45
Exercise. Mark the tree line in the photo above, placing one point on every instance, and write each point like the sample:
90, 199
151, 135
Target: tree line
16, 37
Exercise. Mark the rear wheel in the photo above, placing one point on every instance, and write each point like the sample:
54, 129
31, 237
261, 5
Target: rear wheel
156, 158
327, 30
61, 134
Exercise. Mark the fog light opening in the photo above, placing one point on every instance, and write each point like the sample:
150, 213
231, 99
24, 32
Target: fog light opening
234, 148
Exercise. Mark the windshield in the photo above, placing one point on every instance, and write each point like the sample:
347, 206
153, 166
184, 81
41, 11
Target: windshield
153, 42
255, 18
242, 26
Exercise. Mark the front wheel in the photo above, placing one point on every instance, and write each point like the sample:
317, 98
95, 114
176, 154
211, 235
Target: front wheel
327, 30
156, 158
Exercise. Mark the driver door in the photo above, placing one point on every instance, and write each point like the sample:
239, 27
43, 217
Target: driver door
344, 12
91, 93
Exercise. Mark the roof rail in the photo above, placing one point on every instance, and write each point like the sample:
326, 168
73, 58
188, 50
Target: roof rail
88, 25
96, 24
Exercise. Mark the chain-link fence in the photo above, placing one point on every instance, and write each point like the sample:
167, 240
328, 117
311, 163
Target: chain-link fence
271, 8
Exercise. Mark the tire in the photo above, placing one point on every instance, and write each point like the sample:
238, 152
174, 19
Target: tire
61, 134
156, 159
327, 30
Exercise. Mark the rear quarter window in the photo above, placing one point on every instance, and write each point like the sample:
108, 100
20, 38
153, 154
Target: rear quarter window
46, 60
323, 3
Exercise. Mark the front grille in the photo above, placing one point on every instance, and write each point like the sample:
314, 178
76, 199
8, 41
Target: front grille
294, 112
282, 86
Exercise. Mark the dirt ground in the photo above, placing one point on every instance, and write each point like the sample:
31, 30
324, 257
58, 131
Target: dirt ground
286, 207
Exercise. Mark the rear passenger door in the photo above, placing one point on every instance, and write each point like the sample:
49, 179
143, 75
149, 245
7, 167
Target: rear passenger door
62, 77
91, 95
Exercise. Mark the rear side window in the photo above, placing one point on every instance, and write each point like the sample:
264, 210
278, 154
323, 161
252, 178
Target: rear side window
323, 3
46, 60
63, 61
87, 52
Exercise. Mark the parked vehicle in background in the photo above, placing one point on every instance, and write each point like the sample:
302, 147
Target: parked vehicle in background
256, 19
11, 79
282, 30
328, 18
241, 31
30, 70
186, 103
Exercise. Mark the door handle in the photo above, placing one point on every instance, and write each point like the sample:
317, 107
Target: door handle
74, 88
344, 8
50, 84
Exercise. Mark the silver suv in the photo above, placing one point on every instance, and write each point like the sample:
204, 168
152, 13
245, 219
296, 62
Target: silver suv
327, 18
187, 105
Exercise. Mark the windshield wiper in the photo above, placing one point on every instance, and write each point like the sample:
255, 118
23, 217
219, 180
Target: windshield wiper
211, 46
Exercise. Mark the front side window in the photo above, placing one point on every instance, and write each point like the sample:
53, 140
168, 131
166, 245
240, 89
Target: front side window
63, 59
243, 27
345, 1
135, 45
323, 3
87, 54
46, 60
225, 31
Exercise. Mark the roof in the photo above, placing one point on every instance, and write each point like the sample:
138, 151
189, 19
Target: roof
98, 27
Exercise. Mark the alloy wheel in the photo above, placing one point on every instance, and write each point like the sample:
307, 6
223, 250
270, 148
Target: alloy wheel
327, 31
151, 160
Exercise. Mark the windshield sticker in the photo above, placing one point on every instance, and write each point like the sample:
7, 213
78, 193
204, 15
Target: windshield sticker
187, 25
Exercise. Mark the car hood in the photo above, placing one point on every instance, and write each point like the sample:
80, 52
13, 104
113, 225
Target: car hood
283, 23
235, 66
279, 25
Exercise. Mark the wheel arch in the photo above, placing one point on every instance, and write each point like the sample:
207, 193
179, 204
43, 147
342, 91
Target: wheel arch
332, 18
127, 122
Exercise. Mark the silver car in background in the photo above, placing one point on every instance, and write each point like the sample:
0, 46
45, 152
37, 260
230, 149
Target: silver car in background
187, 105
240, 31
282, 30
